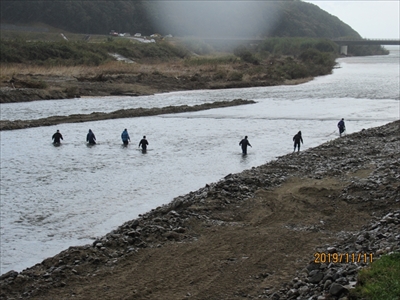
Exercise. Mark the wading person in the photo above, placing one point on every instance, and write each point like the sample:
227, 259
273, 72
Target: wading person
143, 142
90, 137
244, 143
297, 139
341, 126
125, 137
57, 137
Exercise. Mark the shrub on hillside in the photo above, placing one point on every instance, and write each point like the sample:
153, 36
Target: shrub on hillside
245, 55
319, 62
235, 76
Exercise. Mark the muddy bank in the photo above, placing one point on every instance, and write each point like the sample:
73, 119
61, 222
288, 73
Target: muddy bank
250, 235
123, 113
22, 87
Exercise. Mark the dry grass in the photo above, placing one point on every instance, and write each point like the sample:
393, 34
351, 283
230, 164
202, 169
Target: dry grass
9, 70
177, 68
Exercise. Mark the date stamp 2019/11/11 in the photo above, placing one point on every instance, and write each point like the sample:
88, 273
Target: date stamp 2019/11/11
322, 257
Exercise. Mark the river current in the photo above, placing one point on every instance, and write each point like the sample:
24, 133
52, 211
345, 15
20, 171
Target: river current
56, 197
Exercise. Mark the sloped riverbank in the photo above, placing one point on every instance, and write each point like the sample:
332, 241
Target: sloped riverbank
247, 236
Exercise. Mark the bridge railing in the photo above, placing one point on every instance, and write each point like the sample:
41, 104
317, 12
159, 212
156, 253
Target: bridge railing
343, 39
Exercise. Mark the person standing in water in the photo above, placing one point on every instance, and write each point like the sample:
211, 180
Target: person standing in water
297, 139
90, 137
244, 143
57, 137
341, 126
125, 137
143, 142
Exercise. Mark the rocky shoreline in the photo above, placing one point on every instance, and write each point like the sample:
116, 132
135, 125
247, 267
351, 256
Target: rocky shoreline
122, 113
255, 234
333, 272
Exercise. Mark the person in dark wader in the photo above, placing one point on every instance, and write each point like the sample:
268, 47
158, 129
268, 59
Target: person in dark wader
341, 126
143, 142
297, 139
244, 143
56, 138
125, 137
90, 138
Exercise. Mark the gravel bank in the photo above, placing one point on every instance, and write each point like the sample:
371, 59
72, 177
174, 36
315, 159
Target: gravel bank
255, 234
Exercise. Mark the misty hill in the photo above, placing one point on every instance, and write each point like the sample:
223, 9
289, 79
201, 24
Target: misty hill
180, 18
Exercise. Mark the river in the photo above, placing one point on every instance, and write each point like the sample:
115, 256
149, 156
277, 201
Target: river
56, 197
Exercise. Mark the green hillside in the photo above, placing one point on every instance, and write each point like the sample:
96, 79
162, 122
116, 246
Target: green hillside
180, 18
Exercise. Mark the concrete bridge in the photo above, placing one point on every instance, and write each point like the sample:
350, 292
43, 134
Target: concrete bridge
342, 42
345, 42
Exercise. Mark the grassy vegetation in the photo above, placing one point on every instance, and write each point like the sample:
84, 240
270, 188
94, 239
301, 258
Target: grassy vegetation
67, 53
360, 50
301, 58
50, 35
280, 58
380, 281
295, 46
276, 60
211, 60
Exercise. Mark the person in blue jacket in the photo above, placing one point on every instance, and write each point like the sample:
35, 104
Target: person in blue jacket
125, 137
90, 137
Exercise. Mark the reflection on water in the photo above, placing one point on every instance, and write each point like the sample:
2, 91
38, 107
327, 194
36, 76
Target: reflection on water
55, 197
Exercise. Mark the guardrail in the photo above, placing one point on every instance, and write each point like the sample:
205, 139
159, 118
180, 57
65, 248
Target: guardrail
355, 41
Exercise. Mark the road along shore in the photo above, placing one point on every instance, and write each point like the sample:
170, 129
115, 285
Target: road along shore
256, 234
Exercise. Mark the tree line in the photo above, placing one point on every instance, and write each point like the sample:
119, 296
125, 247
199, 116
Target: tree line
180, 18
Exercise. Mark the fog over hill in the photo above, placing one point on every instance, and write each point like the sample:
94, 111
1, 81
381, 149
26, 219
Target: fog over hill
180, 18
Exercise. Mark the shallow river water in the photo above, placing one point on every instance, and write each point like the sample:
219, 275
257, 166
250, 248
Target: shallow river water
56, 197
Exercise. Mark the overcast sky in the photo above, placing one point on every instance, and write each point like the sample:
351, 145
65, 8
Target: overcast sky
371, 19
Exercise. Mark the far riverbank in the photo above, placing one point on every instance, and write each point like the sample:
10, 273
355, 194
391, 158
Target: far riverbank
41, 86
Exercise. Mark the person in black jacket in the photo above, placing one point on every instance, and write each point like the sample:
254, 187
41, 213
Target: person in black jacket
341, 126
56, 137
143, 142
244, 143
297, 139
90, 137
